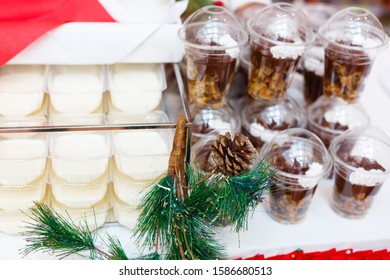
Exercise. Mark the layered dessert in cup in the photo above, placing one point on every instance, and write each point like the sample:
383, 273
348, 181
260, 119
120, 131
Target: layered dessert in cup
330, 117
301, 160
212, 38
313, 60
279, 36
352, 38
361, 165
262, 121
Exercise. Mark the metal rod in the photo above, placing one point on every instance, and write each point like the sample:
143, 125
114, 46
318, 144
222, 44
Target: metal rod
180, 84
69, 128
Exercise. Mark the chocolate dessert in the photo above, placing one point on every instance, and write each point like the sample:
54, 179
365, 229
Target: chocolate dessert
268, 77
274, 126
325, 134
288, 200
313, 87
353, 200
209, 76
345, 71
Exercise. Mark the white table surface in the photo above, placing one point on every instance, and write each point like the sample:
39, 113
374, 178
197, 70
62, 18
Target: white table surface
322, 228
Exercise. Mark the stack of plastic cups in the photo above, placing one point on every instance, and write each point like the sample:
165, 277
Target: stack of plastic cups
213, 39
140, 157
23, 157
80, 171
23, 178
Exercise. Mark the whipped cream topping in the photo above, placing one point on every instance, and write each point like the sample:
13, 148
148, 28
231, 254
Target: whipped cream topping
219, 124
363, 177
315, 172
257, 130
285, 51
230, 43
314, 60
345, 115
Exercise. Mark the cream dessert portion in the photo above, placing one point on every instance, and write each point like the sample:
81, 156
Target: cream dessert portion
80, 157
136, 88
22, 161
142, 155
21, 90
76, 89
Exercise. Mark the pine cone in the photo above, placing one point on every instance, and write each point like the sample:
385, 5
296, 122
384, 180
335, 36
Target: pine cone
232, 156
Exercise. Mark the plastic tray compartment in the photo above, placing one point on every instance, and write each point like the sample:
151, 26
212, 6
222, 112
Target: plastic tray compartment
81, 157
22, 89
142, 155
125, 214
135, 88
94, 216
22, 161
76, 89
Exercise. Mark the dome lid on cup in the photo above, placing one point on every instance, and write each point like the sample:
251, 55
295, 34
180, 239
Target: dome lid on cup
297, 146
213, 28
362, 142
354, 28
281, 23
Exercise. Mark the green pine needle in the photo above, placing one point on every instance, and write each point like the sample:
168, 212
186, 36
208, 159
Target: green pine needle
169, 225
115, 249
53, 233
230, 200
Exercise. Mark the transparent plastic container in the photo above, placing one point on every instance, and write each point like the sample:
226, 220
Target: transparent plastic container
352, 38
248, 10
330, 117
22, 160
15, 221
78, 195
136, 88
125, 214
279, 36
212, 38
95, 216
301, 160
22, 90
130, 192
14, 198
362, 164
142, 154
81, 157
205, 120
262, 120
76, 89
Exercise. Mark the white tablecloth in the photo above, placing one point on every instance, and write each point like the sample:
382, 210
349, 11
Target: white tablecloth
321, 230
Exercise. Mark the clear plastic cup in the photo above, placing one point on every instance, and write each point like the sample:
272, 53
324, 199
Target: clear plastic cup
279, 36
313, 60
212, 38
205, 120
262, 121
352, 38
301, 161
330, 117
361, 165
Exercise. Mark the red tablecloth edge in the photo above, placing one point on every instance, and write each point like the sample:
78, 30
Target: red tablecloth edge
332, 254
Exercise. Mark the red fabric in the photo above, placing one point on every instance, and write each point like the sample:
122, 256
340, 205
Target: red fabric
332, 254
24, 21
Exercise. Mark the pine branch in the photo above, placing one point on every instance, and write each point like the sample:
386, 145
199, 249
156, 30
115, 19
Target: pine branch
51, 232
224, 200
182, 233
